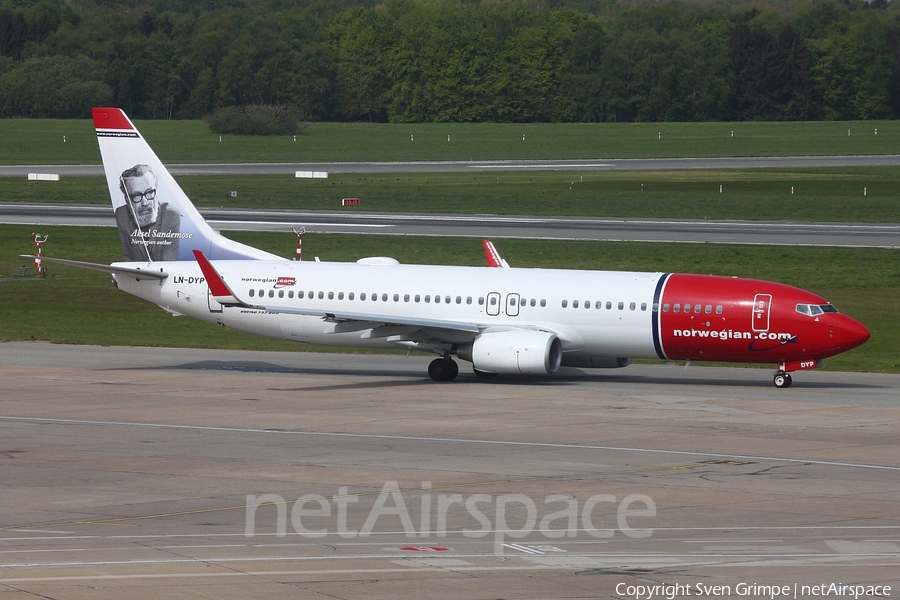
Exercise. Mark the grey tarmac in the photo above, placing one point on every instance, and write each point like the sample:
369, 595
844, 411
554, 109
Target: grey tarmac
785, 233
461, 166
129, 471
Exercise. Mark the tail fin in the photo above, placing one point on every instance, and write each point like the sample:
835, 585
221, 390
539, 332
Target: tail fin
156, 220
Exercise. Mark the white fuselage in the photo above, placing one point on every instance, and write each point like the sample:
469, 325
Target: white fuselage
594, 313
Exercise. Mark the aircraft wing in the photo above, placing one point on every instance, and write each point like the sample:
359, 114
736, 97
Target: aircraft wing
115, 270
374, 320
493, 257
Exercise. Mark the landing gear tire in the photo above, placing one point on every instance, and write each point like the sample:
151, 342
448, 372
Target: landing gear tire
443, 369
782, 380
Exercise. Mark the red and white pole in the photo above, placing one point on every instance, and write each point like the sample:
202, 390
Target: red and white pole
38, 242
299, 235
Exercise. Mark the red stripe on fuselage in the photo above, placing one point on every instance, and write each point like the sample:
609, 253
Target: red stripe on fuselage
735, 320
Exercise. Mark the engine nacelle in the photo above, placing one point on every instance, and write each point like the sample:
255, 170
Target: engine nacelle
596, 362
515, 352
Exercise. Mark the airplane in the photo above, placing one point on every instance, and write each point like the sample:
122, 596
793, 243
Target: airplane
502, 320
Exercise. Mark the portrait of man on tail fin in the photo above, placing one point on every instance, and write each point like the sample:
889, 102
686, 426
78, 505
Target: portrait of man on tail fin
148, 229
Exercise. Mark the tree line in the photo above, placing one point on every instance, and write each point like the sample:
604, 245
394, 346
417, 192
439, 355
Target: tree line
454, 61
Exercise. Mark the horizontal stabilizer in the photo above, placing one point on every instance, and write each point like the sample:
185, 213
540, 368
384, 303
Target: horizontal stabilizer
159, 274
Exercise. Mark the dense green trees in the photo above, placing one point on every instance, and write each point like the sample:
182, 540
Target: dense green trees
454, 60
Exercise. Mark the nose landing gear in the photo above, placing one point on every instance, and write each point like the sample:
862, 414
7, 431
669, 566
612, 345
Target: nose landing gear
782, 379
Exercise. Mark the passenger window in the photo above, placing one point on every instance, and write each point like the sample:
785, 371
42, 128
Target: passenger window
643, 306
362, 297
676, 308
574, 303
666, 307
340, 295
437, 299
311, 294
543, 302
697, 308
719, 309
350, 296
418, 297
252, 293
480, 300
446, 299
468, 299
598, 305
459, 299
271, 293
565, 303
708, 309
396, 297
621, 306
406, 297
321, 295
300, 294
523, 302
291, 294
331, 295
533, 302
384, 297
631, 306
374, 297
587, 303
608, 305
428, 298
281, 293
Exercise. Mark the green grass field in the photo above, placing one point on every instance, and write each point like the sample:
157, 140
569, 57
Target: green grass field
83, 307
26, 141
819, 194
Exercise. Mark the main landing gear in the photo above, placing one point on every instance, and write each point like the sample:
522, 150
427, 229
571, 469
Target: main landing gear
782, 379
443, 369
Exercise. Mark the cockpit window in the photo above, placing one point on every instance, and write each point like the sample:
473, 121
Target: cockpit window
815, 309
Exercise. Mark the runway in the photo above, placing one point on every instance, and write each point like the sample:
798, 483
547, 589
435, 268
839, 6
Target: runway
149, 473
598, 164
788, 233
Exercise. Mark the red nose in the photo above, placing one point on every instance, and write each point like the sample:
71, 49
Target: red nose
853, 333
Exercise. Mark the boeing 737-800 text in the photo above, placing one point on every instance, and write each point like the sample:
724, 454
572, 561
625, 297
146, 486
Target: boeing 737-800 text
502, 320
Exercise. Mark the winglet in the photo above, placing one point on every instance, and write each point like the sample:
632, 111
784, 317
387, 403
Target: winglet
492, 256
217, 286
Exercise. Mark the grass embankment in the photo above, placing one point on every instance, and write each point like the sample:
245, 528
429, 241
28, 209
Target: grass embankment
819, 194
76, 306
28, 141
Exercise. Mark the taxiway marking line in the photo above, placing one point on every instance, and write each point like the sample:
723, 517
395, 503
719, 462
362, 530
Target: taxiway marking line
414, 438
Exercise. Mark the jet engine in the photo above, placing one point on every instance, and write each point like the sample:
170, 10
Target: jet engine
516, 351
